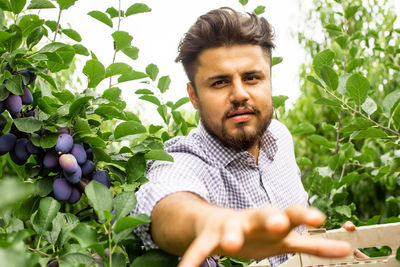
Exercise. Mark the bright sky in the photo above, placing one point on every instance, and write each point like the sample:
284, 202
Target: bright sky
158, 33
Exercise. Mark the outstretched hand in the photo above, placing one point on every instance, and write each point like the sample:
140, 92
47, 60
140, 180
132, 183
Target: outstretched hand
259, 233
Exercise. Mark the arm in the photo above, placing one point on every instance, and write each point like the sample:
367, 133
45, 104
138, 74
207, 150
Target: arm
185, 224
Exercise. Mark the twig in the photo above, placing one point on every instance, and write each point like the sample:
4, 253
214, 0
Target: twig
40, 252
58, 25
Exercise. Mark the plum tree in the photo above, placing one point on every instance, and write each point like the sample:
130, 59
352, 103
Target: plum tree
13, 104
27, 97
75, 196
20, 149
79, 153
50, 160
87, 167
68, 163
102, 177
62, 189
64, 143
74, 177
7, 142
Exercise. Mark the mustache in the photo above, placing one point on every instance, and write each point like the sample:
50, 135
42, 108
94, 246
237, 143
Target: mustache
237, 105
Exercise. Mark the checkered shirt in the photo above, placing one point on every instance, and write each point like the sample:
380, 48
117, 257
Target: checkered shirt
204, 166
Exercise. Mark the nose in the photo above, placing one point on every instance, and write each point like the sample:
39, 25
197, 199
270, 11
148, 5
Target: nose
239, 91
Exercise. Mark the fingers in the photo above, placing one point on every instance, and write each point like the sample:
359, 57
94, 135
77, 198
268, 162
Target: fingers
271, 219
233, 237
349, 226
305, 215
318, 246
200, 248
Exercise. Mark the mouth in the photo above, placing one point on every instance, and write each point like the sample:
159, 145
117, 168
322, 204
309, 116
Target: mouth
240, 112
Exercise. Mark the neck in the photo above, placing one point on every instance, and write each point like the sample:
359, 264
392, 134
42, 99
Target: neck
255, 151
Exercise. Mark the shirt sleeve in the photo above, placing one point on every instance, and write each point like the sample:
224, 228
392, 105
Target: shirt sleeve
184, 174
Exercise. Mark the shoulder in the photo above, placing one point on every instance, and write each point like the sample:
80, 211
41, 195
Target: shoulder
279, 130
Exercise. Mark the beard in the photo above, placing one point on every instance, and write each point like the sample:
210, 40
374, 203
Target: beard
245, 137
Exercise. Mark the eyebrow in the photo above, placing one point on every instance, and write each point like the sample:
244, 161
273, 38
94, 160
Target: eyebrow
224, 76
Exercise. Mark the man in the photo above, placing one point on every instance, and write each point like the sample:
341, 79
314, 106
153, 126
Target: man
234, 187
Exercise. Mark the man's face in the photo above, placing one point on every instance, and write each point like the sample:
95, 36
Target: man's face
234, 94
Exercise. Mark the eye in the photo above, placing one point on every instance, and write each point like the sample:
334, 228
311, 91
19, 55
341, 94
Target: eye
251, 78
219, 83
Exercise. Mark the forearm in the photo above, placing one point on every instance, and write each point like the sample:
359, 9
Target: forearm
176, 220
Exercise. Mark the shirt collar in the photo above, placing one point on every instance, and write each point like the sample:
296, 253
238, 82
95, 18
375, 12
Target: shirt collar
225, 155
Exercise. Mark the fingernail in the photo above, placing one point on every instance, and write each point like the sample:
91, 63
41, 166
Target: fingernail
278, 221
315, 214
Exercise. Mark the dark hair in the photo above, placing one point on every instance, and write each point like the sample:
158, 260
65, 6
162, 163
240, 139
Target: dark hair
223, 27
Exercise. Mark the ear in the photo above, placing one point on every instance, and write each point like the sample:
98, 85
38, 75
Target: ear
192, 95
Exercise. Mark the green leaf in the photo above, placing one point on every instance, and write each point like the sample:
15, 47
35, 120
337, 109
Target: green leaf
357, 87
51, 24
330, 77
259, 10
133, 75
369, 133
154, 128
390, 102
135, 168
314, 80
329, 102
151, 99
321, 140
163, 83
350, 11
128, 128
152, 71
14, 85
279, 100
42, 219
74, 35
130, 222
354, 63
40, 4
342, 41
44, 186
100, 16
112, 93
303, 161
144, 92
158, 155
65, 4
303, 128
47, 78
4, 36
124, 203
132, 52
29, 22
112, 12
15, 40
136, 9
323, 58
64, 96
35, 36
276, 60
243, 2
75, 259
333, 27
78, 105
81, 50
100, 198
156, 258
369, 106
17, 5
94, 141
356, 125
28, 124
122, 40
44, 105
342, 83
110, 112
95, 72
343, 210
100, 155
117, 69
163, 111
13, 191
85, 234
48, 140
180, 102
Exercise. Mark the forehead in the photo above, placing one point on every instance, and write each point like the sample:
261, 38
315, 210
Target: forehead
232, 59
